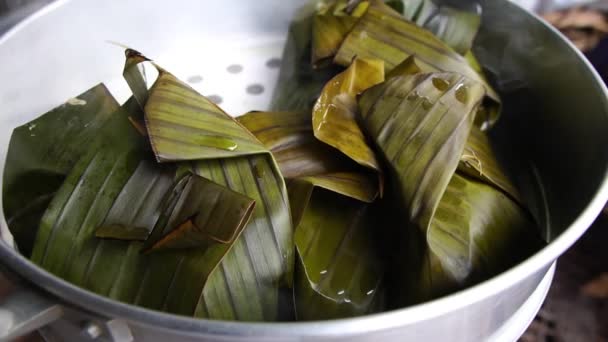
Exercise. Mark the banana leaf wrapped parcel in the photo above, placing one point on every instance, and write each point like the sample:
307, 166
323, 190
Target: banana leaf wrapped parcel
371, 183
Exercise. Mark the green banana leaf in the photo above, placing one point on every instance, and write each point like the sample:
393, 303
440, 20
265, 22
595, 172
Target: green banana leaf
334, 117
289, 136
39, 158
66, 244
476, 232
426, 11
465, 229
205, 213
479, 161
197, 266
485, 116
214, 212
420, 123
457, 28
255, 276
339, 272
299, 83
393, 39
146, 190
185, 126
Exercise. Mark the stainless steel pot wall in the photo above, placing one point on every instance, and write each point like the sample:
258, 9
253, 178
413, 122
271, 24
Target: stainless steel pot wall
561, 124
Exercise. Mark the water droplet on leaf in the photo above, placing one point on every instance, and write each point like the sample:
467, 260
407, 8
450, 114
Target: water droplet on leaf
462, 93
441, 84
413, 97
217, 142
426, 103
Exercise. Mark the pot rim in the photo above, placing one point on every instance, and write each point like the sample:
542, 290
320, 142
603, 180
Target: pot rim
82, 298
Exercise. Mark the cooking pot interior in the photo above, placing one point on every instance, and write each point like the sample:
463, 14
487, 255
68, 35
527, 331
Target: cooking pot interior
552, 134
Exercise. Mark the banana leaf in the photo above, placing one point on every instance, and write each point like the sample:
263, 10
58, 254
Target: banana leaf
299, 83
328, 32
255, 276
409, 66
420, 123
185, 126
457, 28
479, 162
205, 213
485, 116
330, 25
408, 8
289, 136
476, 232
473, 62
465, 229
214, 213
334, 117
427, 10
39, 158
146, 190
301, 156
339, 272
393, 39
66, 244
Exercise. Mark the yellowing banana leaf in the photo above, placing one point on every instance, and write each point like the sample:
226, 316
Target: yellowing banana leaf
255, 275
339, 271
479, 161
408, 8
476, 232
409, 67
334, 117
350, 184
473, 62
299, 84
421, 124
39, 157
330, 25
289, 136
328, 32
393, 39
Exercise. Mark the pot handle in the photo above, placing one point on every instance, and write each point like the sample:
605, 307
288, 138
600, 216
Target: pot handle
23, 311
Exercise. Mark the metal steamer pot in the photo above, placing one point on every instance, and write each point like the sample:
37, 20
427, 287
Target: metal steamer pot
555, 115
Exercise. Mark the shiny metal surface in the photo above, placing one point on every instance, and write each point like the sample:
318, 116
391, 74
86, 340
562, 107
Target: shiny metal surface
560, 124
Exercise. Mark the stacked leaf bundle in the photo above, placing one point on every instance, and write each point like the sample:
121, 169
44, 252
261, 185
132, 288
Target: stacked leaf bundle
369, 187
